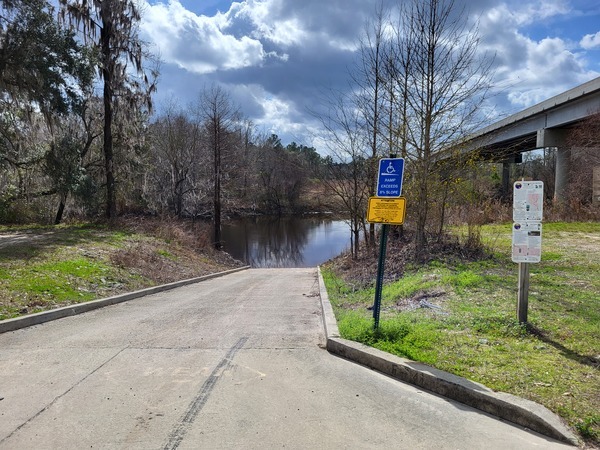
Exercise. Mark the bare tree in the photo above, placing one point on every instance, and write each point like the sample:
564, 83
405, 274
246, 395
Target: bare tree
220, 118
347, 168
176, 181
584, 140
442, 80
370, 78
247, 159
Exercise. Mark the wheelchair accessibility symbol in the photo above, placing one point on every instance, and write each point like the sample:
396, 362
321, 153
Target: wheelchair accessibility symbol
389, 179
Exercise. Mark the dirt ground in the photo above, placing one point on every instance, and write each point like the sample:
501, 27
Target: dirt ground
8, 239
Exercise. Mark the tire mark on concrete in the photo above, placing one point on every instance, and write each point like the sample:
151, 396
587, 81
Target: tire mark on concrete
200, 400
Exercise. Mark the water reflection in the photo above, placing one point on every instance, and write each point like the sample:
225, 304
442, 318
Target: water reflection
285, 242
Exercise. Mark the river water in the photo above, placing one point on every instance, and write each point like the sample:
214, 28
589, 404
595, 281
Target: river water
285, 241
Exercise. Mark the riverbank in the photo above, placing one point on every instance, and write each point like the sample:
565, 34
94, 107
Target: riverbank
43, 268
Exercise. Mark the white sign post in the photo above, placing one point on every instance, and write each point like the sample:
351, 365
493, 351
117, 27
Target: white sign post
528, 205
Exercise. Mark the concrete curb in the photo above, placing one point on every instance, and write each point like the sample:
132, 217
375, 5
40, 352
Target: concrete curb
505, 406
46, 316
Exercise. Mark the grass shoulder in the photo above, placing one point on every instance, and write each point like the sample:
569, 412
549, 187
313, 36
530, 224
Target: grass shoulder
460, 316
43, 268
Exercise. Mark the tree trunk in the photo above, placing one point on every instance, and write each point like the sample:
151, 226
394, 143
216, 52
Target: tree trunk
111, 196
423, 207
61, 209
217, 189
356, 241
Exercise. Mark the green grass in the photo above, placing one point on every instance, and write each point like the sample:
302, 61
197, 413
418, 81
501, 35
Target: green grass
62, 265
61, 280
166, 254
44, 267
473, 331
54, 277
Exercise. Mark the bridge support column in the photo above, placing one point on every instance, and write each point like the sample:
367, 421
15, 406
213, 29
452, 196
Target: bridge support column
556, 137
506, 187
561, 180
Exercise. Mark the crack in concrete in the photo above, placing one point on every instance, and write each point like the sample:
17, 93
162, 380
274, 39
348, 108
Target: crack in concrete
49, 405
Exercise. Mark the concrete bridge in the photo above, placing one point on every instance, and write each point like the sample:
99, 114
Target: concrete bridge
540, 126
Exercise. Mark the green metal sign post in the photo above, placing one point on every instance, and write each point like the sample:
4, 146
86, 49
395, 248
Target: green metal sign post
380, 270
389, 185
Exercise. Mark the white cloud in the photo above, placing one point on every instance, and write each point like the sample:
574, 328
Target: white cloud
520, 13
198, 43
268, 21
590, 41
277, 56
530, 70
239, 38
277, 115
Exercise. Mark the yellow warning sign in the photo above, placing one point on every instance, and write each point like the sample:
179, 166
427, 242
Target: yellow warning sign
390, 211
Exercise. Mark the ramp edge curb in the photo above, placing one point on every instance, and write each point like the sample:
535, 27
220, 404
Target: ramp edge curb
508, 407
72, 310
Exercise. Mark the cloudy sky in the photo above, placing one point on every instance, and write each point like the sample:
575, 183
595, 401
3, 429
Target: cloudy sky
276, 58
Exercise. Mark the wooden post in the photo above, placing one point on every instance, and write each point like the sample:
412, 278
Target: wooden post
523, 298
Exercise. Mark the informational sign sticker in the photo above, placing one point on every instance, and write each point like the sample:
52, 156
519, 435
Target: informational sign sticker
528, 201
527, 242
389, 211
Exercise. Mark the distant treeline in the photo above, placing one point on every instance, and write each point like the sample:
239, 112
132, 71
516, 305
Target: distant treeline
78, 134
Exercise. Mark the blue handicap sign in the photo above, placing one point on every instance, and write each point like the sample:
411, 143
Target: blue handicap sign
389, 180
